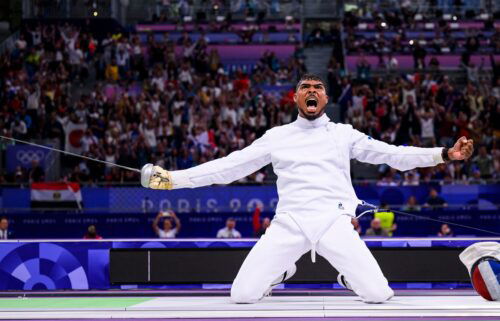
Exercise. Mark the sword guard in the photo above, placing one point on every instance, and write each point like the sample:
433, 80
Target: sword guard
146, 173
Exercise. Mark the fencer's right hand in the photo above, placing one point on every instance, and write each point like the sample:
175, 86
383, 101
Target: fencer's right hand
156, 177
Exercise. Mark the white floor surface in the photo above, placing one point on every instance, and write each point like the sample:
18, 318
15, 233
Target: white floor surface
279, 306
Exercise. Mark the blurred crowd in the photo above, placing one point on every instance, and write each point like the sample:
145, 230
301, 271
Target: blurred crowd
428, 110
412, 11
398, 29
390, 36
175, 10
176, 104
150, 103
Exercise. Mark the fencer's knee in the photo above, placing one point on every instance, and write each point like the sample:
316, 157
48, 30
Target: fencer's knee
377, 295
243, 294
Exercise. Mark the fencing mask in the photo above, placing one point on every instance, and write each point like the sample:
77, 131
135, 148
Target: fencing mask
482, 260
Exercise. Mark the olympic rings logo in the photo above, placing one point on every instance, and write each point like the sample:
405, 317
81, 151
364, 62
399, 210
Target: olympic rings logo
27, 156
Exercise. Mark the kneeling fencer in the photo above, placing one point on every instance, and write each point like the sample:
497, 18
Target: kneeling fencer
311, 158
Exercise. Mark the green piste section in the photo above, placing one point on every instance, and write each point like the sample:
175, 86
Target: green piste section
69, 303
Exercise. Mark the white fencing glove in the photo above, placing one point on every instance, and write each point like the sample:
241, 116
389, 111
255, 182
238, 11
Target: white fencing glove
156, 177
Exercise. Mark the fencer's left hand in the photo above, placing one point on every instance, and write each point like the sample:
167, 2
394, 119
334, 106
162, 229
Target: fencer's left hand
462, 150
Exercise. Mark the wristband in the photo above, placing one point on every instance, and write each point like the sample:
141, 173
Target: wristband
444, 155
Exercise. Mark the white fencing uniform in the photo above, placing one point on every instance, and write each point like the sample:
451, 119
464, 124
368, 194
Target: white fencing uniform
312, 162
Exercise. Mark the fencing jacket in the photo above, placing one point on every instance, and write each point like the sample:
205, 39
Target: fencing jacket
312, 162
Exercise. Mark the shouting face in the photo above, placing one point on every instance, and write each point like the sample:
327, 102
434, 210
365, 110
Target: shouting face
311, 98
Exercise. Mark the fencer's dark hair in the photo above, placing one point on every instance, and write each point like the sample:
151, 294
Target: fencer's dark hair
310, 76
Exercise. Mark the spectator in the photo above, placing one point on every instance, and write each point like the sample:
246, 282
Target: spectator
260, 226
445, 231
53, 129
484, 163
316, 36
266, 222
5, 233
122, 61
388, 179
36, 173
88, 140
419, 54
386, 217
21, 43
91, 233
411, 178
411, 205
19, 129
446, 128
434, 64
112, 71
473, 72
168, 231
20, 176
434, 201
376, 229
363, 69
75, 61
392, 63
427, 128
476, 179
229, 231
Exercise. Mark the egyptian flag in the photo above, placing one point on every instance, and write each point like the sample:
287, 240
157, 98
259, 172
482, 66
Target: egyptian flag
56, 195
74, 133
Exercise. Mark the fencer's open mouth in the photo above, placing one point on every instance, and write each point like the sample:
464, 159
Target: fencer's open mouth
311, 103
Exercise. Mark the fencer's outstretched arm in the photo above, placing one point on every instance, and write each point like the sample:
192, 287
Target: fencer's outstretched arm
369, 150
224, 170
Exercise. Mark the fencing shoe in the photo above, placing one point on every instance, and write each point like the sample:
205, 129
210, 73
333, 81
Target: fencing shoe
282, 278
343, 282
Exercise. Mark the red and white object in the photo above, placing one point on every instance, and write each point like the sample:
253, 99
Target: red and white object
482, 260
58, 194
74, 133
